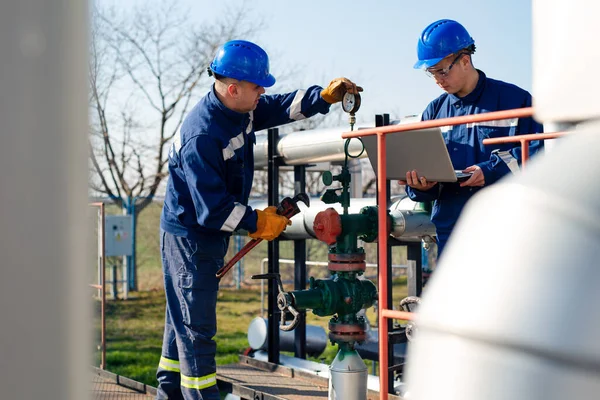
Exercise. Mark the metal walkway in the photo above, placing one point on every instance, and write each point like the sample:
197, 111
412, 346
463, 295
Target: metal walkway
109, 386
258, 380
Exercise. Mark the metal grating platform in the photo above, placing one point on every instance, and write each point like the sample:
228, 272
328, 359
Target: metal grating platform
109, 386
258, 380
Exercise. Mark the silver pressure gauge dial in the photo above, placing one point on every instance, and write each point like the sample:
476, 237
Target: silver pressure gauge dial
351, 102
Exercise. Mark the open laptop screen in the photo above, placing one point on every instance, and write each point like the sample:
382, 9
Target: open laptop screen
423, 150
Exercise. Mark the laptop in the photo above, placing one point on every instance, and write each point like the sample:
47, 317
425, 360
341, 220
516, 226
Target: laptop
423, 150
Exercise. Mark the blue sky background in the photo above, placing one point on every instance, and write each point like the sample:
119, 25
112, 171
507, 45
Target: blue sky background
374, 43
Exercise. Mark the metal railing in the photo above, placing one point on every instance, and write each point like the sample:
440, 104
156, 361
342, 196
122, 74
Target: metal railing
101, 286
382, 195
524, 141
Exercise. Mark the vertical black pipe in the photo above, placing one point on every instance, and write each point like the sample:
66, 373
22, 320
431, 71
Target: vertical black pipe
415, 274
273, 249
300, 269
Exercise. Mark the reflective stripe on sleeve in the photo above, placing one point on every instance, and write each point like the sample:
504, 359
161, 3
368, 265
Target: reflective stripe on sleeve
234, 218
296, 107
502, 123
510, 161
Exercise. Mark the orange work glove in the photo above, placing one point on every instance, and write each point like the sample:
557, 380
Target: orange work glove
337, 89
269, 224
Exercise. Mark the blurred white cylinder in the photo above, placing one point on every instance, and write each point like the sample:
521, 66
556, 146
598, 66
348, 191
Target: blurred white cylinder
512, 310
565, 54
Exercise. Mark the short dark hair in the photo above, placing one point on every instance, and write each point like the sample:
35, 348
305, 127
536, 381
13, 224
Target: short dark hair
212, 73
468, 50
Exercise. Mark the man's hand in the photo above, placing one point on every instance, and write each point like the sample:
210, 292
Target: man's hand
338, 88
415, 182
477, 179
269, 224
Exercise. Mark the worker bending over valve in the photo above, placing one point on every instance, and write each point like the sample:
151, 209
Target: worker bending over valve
444, 51
211, 167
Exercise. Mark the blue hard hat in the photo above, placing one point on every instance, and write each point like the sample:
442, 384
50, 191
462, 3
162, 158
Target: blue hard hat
439, 40
244, 61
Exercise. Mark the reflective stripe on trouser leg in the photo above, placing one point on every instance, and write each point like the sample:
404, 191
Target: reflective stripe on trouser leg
169, 365
198, 350
169, 380
202, 382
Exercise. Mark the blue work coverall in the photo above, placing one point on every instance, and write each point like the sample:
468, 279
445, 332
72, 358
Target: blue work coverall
211, 166
465, 146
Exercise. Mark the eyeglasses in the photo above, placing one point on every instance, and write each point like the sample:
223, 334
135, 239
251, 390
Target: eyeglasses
443, 72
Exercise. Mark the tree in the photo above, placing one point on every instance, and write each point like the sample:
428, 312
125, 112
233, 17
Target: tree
146, 67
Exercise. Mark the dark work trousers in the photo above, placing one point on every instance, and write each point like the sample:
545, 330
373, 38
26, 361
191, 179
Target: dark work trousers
187, 368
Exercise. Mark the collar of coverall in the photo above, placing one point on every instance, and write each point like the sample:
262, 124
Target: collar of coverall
231, 115
474, 95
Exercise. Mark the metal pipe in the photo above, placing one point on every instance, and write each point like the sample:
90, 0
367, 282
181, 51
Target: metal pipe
313, 146
524, 140
437, 123
383, 252
315, 342
524, 153
519, 138
306, 147
393, 314
409, 221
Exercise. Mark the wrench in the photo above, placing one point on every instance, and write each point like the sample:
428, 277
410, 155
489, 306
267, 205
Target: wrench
288, 208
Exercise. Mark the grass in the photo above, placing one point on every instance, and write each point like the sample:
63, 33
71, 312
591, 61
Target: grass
135, 326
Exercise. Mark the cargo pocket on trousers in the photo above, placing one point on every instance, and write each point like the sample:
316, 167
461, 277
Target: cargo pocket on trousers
198, 290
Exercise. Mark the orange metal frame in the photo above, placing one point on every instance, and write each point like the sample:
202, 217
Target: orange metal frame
382, 195
102, 286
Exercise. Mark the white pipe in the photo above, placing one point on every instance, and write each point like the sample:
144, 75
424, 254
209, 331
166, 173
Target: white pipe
410, 223
307, 147
314, 145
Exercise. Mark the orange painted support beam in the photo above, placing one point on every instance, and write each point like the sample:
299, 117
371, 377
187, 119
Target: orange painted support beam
382, 279
393, 314
436, 123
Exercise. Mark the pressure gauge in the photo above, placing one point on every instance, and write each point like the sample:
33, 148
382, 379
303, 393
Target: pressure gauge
351, 102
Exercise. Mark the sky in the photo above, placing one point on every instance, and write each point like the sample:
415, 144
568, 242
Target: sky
374, 43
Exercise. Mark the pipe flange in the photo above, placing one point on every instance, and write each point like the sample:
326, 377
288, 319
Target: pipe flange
346, 257
354, 262
347, 338
345, 328
347, 267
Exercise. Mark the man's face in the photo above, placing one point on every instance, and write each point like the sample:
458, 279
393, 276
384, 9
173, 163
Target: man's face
248, 94
449, 74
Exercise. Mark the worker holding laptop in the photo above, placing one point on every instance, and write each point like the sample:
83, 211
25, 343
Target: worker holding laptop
444, 52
